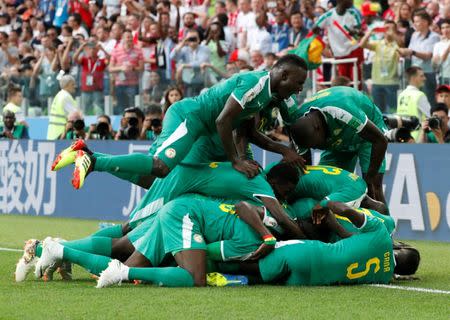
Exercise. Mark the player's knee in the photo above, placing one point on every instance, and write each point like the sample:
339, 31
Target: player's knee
160, 169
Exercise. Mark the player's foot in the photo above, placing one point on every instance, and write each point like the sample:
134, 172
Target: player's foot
216, 279
67, 156
115, 273
84, 163
27, 261
52, 254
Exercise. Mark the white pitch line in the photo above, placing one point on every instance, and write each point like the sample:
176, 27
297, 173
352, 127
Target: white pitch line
10, 249
411, 288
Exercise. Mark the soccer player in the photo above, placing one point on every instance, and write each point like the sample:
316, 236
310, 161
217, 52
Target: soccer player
220, 109
367, 257
324, 184
348, 126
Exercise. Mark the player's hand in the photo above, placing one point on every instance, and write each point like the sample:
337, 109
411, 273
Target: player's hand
263, 250
293, 158
246, 167
319, 214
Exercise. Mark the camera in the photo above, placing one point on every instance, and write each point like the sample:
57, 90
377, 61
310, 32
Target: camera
79, 124
131, 132
434, 123
192, 39
401, 135
156, 123
396, 121
102, 128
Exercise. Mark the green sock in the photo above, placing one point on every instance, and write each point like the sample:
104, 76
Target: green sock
126, 163
110, 232
164, 277
39, 249
96, 245
133, 178
213, 251
93, 263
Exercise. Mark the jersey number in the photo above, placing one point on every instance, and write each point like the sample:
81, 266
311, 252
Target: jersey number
326, 170
356, 275
228, 208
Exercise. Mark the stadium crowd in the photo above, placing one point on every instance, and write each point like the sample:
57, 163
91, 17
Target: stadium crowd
72, 58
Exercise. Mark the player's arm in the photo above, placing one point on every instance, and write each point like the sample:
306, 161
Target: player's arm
339, 208
292, 229
266, 143
250, 215
224, 124
373, 134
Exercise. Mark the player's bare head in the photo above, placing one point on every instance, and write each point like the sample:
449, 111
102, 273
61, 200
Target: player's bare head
283, 178
310, 131
288, 75
407, 259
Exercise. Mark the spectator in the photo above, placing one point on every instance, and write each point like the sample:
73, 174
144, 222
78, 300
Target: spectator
155, 89
102, 130
164, 46
343, 25
152, 125
280, 32
14, 104
105, 41
218, 47
77, 29
8, 55
443, 95
127, 64
259, 38
245, 22
412, 101
441, 51
438, 132
233, 13
269, 60
44, 75
62, 105
81, 8
92, 74
420, 50
47, 10
297, 32
230, 37
131, 124
172, 95
189, 55
257, 60
384, 69
189, 24
341, 81
307, 10
10, 130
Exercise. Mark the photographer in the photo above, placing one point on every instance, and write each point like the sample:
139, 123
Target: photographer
11, 131
102, 130
152, 126
130, 124
435, 129
75, 127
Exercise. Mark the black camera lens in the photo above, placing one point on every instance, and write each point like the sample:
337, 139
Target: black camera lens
102, 128
156, 122
397, 121
133, 121
434, 123
79, 124
131, 133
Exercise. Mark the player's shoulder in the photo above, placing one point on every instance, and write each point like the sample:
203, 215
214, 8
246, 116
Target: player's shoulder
251, 78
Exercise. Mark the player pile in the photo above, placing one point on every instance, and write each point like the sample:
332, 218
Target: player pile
217, 223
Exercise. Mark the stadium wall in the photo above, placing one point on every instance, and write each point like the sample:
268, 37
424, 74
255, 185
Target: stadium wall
417, 185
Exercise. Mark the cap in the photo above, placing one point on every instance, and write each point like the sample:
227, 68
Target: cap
443, 88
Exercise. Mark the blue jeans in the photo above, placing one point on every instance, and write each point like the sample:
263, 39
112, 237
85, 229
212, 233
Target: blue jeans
385, 96
125, 97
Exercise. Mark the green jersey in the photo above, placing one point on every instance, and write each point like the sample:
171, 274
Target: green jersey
346, 112
215, 179
192, 221
250, 89
363, 258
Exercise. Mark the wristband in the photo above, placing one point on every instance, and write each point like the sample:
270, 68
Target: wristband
269, 239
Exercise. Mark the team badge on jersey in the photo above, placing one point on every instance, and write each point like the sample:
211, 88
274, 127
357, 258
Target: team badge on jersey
198, 238
170, 153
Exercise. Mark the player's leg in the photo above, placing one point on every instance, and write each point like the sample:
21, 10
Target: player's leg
379, 206
375, 190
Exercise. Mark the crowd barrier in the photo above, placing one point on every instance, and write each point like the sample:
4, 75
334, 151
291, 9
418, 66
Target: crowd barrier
417, 185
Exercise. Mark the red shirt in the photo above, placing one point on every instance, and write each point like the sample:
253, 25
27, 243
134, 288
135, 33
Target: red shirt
86, 17
92, 72
121, 57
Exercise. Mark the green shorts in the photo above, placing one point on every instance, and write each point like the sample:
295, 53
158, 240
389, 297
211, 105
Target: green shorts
347, 160
148, 240
180, 131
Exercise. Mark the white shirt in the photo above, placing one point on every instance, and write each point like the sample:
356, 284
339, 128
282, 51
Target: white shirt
438, 51
108, 45
259, 39
340, 43
80, 31
423, 44
244, 22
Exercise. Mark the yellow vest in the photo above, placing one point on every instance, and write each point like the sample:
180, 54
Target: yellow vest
57, 116
408, 105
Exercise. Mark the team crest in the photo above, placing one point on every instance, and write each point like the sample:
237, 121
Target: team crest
170, 153
198, 238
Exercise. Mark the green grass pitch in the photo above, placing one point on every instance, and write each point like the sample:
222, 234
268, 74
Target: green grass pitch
79, 299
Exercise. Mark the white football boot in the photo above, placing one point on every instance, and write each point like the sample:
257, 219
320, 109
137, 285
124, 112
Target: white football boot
114, 274
28, 261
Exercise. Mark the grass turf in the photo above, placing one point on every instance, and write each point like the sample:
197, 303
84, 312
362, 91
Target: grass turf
79, 299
